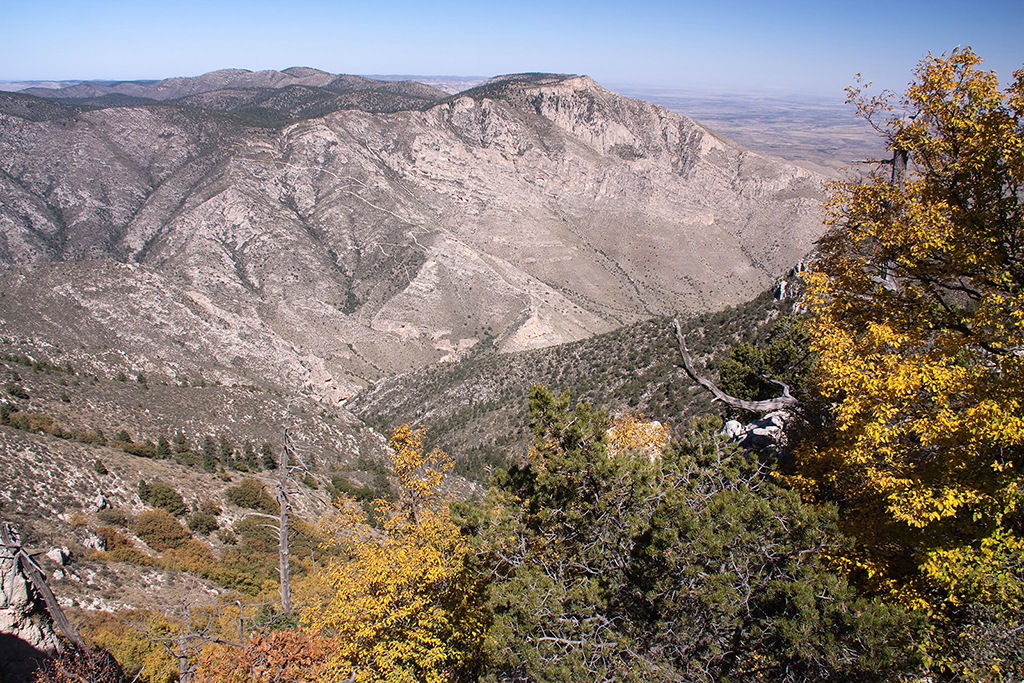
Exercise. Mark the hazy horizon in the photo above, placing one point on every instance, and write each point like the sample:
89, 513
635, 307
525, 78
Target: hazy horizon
793, 46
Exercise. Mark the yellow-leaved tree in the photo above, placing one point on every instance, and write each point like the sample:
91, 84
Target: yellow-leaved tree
917, 314
403, 604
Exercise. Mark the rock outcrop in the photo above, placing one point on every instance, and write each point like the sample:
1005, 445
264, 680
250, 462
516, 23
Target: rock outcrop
27, 634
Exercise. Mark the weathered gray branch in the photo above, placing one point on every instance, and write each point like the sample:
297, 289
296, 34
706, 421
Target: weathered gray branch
780, 403
35, 575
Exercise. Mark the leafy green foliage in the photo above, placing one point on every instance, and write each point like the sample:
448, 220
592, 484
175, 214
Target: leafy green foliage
202, 523
160, 530
782, 353
252, 495
694, 566
161, 495
917, 301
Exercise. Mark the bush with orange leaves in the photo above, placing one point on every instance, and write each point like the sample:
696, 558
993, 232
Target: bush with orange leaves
291, 656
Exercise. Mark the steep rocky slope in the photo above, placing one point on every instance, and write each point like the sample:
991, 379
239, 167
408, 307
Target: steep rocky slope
532, 210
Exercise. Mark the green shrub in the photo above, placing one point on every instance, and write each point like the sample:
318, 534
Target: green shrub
113, 517
93, 438
252, 495
267, 459
188, 458
118, 548
227, 536
160, 530
35, 422
210, 507
99, 468
161, 495
17, 391
202, 523
142, 450
256, 534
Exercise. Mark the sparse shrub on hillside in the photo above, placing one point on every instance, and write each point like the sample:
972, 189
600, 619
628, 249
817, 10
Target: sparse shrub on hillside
209, 448
181, 443
252, 495
35, 422
92, 438
142, 450
114, 517
163, 447
249, 456
202, 523
98, 467
226, 450
78, 519
123, 436
161, 495
267, 458
120, 377
17, 391
160, 530
191, 556
189, 459
117, 547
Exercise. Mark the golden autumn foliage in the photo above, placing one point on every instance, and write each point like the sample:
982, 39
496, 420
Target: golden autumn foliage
630, 433
917, 314
141, 658
404, 604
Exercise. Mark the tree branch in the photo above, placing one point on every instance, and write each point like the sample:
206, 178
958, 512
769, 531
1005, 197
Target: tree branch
784, 401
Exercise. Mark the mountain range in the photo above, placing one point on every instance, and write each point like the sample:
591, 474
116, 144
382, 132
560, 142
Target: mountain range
316, 232
239, 254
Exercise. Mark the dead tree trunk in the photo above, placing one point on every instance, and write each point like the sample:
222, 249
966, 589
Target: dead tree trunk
780, 403
283, 555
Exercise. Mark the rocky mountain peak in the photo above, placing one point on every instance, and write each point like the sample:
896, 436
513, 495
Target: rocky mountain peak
532, 210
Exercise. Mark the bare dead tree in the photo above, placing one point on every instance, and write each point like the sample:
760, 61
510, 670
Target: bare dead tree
784, 402
291, 462
282, 533
193, 627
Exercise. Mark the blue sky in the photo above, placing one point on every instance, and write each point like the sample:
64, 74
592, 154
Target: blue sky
741, 45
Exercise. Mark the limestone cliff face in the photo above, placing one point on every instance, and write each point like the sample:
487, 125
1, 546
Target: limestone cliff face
532, 210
